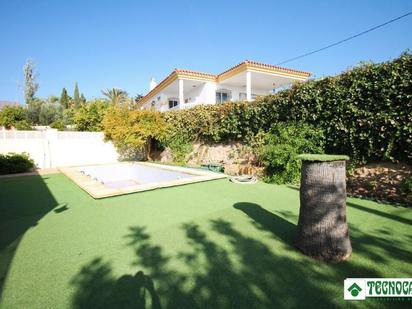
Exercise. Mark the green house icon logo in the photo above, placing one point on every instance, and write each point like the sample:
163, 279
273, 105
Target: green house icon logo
354, 289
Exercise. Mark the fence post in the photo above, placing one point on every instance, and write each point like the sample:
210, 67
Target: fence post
50, 138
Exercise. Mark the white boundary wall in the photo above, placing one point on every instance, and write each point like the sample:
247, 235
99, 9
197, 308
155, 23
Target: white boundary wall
52, 148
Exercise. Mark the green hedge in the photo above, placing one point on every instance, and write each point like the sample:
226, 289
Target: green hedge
13, 163
365, 112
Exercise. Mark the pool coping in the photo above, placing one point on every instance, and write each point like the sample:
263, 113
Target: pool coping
98, 190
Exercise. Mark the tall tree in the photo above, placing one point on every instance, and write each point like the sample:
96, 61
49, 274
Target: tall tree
30, 83
76, 96
82, 98
33, 110
64, 99
116, 96
49, 113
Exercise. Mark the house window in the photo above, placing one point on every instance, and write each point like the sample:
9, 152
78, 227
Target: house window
173, 103
222, 96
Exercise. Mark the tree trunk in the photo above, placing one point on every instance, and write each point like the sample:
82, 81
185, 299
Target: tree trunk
322, 229
147, 149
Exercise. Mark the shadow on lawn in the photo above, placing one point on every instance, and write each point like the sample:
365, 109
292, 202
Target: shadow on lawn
225, 268
24, 201
283, 229
100, 290
381, 213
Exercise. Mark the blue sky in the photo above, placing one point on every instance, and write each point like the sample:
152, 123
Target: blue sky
104, 44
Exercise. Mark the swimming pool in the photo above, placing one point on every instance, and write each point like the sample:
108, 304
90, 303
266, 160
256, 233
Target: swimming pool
128, 177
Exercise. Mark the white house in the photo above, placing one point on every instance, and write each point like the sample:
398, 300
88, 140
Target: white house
245, 81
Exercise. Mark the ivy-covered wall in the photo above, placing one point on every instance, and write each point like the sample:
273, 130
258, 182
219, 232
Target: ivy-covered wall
365, 113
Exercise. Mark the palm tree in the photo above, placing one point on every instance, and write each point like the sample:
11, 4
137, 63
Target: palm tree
116, 96
322, 230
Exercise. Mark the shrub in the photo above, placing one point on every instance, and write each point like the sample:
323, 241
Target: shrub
68, 116
15, 163
282, 145
198, 123
23, 125
406, 185
90, 115
58, 124
11, 115
134, 129
180, 146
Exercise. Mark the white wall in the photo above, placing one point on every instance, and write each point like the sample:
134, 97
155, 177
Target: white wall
55, 149
161, 102
204, 94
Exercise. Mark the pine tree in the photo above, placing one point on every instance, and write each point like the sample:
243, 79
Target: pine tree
76, 96
82, 98
64, 99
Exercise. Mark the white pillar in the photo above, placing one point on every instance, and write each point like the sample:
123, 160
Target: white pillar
248, 86
181, 96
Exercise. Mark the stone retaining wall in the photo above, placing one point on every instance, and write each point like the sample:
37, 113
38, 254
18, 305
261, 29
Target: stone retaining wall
237, 158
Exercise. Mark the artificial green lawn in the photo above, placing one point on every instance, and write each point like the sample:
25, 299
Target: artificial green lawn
322, 157
208, 245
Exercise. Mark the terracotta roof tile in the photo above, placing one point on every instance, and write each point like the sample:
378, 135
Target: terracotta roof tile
183, 71
276, 67
216, 76
263, 65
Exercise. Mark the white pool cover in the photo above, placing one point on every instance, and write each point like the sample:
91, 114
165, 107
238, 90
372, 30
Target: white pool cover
118, 176
127, 177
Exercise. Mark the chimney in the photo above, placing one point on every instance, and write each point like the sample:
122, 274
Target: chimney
152, 84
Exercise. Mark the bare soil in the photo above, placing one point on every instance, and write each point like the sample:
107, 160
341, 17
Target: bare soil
381, 182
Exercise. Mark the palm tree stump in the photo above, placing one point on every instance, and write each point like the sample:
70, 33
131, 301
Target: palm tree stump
322, 231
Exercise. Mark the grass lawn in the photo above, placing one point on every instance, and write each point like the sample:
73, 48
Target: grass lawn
206, 245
